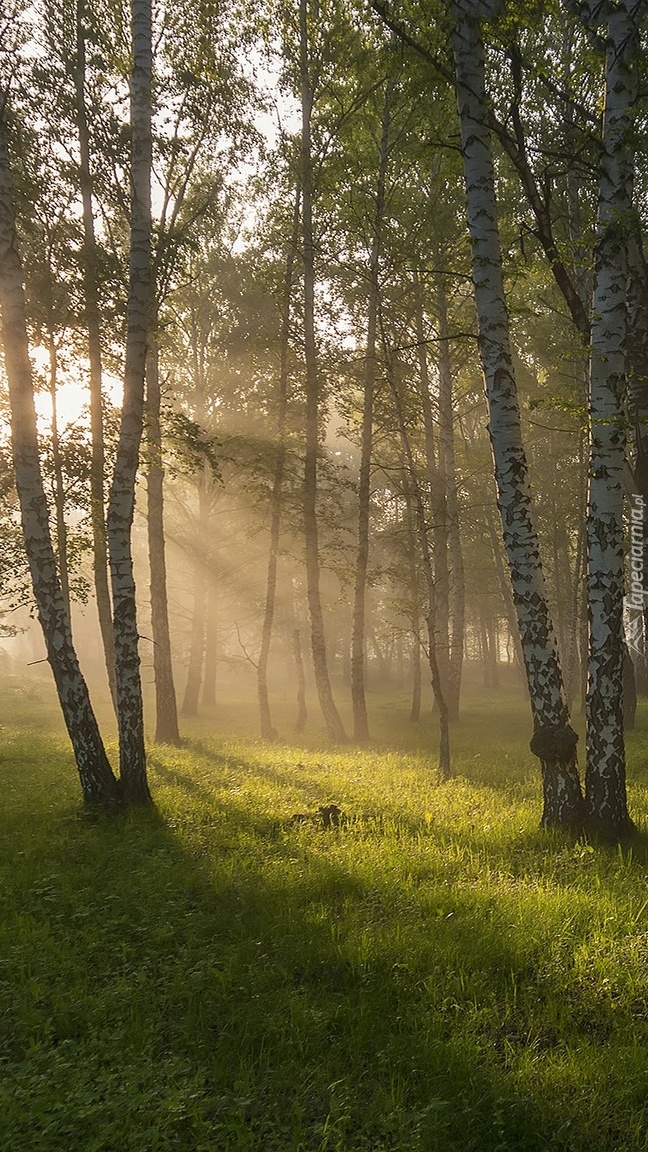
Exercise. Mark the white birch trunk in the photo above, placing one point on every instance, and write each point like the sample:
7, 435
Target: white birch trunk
97, 781
605, 790
553, 741
132, 757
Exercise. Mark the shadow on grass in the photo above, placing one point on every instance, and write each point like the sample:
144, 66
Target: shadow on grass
202, 978
297, 774
533, 849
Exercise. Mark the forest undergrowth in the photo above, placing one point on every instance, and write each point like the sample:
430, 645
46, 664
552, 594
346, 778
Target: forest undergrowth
436, 974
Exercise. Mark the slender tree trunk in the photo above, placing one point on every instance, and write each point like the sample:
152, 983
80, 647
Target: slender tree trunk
121, 508
573, 677
437, 509
493, 651
59, 486
483, 644
554, 741
505, 587
448, 472
302, 714
197, 642
166, 709
265, 716
358, 697
381, 658
428, 569
97, 780
415, 711
211, 649
202, 544
605, 790
318, 639
93, 324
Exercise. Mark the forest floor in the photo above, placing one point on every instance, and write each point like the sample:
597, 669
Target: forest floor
434, 975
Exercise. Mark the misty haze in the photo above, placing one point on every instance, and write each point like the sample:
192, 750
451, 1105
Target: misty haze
323, 662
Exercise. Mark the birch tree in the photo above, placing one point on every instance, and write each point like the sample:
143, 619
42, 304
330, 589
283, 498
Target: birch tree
98, 783
605, 791
554, 741
121, 508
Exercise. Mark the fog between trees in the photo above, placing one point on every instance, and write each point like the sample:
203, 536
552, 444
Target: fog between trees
383, 385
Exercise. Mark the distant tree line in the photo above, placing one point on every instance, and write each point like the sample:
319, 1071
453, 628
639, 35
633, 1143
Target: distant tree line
304, 319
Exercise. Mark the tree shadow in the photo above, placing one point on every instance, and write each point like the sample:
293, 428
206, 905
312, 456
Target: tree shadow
297, 775
182, 984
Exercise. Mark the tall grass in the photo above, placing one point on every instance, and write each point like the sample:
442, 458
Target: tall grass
435, 974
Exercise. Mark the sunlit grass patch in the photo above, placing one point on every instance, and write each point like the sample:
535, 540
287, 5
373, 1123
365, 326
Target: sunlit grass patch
435, 973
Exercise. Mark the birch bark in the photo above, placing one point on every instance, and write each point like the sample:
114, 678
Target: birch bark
98, 783
605, 791
121, 507
554, 740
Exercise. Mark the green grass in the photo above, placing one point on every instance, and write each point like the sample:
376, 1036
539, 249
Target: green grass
437, 974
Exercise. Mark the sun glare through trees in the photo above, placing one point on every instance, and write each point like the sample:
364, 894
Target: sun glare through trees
323, 462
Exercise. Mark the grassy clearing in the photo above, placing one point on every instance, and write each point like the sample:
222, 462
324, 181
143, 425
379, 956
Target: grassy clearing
437, 974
